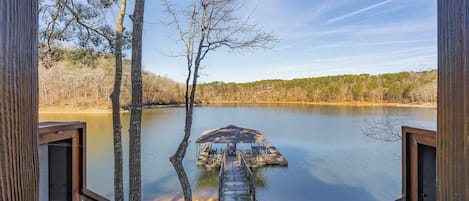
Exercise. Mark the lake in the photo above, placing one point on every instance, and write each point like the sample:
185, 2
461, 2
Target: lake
329, 156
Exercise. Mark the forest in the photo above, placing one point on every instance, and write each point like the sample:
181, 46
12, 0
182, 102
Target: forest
80, 79
404, 87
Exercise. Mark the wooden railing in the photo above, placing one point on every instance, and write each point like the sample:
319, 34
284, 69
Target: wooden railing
418, 163
249, 176
221, 176
88, 195
75, 134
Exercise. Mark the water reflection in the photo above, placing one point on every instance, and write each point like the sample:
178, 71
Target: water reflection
303, 184
329, 157
208, 179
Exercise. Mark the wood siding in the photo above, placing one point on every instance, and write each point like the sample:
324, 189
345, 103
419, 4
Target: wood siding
453, 100
19, 169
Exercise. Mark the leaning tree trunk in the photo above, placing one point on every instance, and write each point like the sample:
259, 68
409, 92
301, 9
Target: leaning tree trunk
178, 157
19, 169
180, 153
136, 104
115, 96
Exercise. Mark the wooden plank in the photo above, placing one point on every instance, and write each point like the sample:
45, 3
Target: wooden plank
82, 133
413, 170
405, 166
76, 131
85, 192
76, 162
92, 196
52, 127
56, 136
235, 184
411, 139
19, 169
453, 100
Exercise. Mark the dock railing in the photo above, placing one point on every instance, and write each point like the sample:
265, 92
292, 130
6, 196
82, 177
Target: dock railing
221, 176
249, 176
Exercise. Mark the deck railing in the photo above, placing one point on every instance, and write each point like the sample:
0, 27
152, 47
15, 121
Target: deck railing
249, 177
221, 176
418, 164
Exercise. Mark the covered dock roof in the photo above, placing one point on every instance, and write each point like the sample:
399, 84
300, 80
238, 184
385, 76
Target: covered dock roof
232, 134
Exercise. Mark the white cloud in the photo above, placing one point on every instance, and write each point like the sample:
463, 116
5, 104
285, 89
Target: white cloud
342, 17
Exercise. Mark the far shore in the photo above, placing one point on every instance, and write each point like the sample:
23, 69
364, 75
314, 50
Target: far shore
107, 109
348, 104
60, 110
99, 109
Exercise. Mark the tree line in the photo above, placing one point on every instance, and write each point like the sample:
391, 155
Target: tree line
80, 78
404, 87
84, 79
83, 76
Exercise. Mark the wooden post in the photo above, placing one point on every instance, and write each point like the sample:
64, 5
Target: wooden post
453, 100
18, 100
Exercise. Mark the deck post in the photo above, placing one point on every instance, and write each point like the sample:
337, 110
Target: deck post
19, 168
453, 100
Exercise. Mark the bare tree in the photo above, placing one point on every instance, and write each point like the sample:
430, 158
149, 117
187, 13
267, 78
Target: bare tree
203, 27
386, 129
136, 105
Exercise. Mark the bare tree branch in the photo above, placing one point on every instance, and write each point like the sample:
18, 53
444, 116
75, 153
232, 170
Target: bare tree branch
204, 26
387, 129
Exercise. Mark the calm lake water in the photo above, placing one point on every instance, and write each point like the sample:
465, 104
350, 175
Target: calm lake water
329, 157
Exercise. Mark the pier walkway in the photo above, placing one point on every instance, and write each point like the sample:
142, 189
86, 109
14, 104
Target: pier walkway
236, 181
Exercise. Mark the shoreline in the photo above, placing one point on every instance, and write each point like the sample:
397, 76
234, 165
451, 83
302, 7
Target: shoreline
58, 110
107, 110
93, 110
345, 104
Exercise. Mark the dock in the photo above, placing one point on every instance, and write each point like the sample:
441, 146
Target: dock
236, 181
235, 150
271, 157
212, 143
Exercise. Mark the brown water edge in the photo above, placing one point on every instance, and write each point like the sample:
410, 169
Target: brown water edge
104, 109
51, 109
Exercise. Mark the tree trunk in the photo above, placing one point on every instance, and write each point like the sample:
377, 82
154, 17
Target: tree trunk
136, 104
19, 169
178, 157
115, 99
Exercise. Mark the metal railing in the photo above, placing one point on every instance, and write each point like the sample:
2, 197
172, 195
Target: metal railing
249, 177
221, 177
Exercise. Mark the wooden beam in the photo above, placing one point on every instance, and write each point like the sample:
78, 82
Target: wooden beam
453, 100
19, 170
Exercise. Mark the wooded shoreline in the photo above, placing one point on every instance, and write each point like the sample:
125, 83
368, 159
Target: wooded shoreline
107, 109
346, 104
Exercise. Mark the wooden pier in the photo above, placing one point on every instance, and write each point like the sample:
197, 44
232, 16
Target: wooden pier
236, 181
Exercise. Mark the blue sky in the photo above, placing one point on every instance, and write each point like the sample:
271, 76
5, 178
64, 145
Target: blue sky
317, 38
